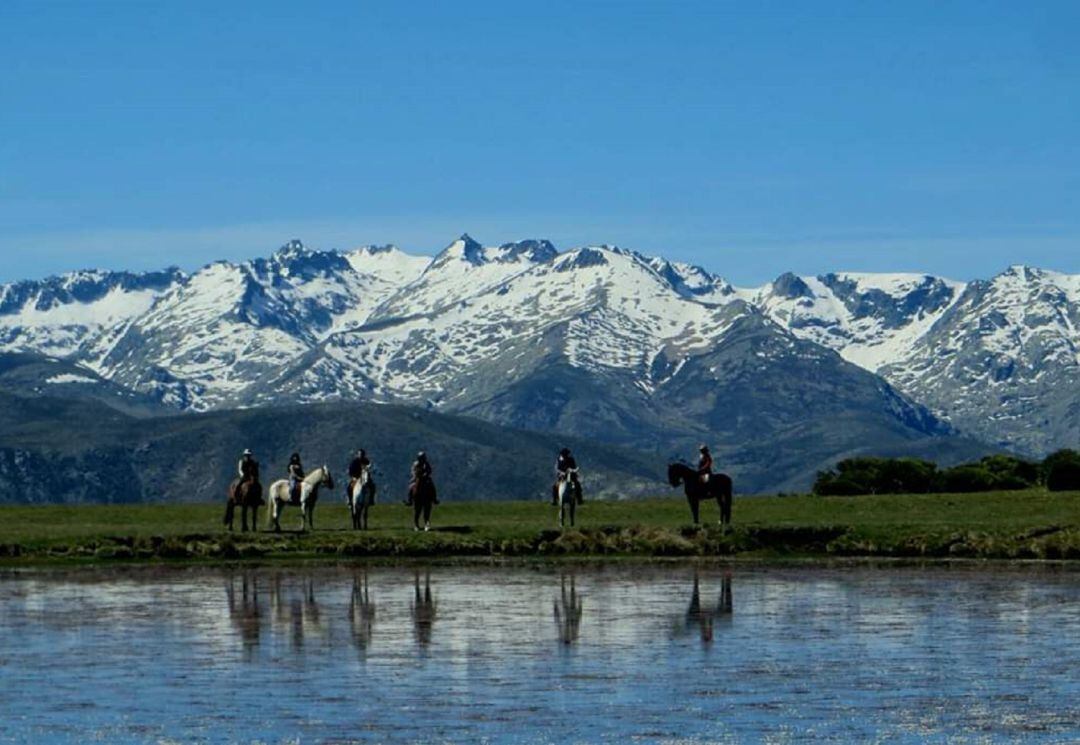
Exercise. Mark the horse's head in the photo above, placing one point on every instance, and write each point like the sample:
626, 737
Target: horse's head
674, 473
327, 480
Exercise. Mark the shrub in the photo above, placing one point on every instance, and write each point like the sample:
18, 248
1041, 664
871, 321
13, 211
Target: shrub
1061, 470
877, 476
1063, 473
967, 478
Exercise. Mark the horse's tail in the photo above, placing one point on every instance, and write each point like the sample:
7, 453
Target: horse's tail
230, 510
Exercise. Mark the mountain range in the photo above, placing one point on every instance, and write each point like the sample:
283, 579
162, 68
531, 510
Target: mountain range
598, 342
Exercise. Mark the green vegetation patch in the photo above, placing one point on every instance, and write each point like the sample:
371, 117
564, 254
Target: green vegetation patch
1029, 524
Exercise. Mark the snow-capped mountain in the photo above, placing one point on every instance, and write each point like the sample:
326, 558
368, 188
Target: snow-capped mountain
597, 341
1003, 362
58, 315
212, 335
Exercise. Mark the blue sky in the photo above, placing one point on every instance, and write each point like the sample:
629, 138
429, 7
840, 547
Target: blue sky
752, 137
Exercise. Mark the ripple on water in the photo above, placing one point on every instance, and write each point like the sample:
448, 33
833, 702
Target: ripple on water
673, 654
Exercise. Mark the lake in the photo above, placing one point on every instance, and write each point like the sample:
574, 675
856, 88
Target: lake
618, 653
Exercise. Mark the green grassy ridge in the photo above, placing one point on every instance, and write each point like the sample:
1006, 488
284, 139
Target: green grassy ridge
996, 525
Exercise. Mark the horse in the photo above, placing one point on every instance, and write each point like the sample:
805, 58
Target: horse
248, 495
423, 499
361, 497
309, 495
718, 487
568, 493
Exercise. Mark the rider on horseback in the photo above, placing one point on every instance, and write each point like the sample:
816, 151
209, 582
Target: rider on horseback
565, 468
247, 469
421, 472
704, 467
357, 466
296, 475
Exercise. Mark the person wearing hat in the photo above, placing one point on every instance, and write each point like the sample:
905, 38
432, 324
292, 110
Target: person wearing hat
247, 469
704, 467
564, 464
296, 475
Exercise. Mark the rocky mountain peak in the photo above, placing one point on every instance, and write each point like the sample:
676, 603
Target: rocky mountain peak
538, 251
789, 285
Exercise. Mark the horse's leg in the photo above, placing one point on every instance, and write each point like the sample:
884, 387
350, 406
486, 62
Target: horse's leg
573, 507
417, 509
230, 510
273, 519
695, 507
243, 518
428, 503
725, 507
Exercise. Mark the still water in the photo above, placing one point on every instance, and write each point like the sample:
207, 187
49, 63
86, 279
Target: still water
558, 654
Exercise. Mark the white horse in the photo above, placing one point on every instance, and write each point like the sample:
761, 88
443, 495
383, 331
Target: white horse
361, 498
278, 496
569, 492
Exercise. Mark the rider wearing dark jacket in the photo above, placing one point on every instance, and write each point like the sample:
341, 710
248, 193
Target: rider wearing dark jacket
420, 472
704, 468
564, 464
357, 465
296, 475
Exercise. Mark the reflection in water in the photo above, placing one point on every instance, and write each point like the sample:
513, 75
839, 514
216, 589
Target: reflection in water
568, 610
361, 610
295, 608
423, 609
840, 655
244, 611
703, 618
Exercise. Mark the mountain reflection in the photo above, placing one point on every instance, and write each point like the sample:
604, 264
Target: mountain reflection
702, 618
423, 609
568, 610
361, 611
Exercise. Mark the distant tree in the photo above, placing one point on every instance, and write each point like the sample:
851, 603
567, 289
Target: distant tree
1011, 472
967, 478
1062, 471
866, 475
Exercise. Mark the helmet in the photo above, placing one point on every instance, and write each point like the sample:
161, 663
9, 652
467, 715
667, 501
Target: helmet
361, 452
294, 458
421, 455
247, 451
703, 448
564, 451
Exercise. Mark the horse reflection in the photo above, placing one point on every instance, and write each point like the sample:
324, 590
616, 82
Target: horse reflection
244, 611
296, 609
568, 610
361, 611
702, 617
423, 609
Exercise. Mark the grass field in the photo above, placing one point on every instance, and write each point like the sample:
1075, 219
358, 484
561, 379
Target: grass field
1000, 525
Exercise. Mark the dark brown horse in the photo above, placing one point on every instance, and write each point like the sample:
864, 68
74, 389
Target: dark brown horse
246, 495
718, 487
424, 497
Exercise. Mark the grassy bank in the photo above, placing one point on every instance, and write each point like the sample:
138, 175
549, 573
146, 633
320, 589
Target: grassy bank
995, 525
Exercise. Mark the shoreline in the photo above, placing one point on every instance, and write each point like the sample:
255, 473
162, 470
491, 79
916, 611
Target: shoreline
1004, 527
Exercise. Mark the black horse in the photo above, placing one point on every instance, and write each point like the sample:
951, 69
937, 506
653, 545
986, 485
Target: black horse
718, 487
